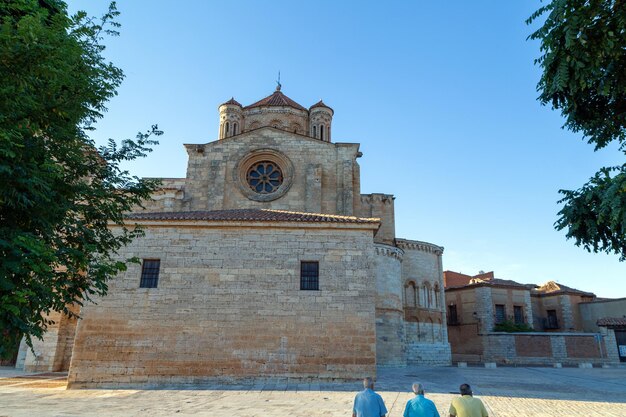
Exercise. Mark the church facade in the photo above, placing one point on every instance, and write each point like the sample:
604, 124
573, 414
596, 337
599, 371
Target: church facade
265, 261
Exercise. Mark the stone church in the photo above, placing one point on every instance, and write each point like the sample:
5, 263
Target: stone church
265, 261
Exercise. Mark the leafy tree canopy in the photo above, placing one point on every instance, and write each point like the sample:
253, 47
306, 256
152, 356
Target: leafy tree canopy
583, 46
58, 191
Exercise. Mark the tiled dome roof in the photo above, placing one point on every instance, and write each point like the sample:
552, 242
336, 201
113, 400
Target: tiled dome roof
231, 101
321, 104
278, 99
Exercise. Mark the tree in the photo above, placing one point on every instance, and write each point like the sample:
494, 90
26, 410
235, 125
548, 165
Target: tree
58, 191
583, 46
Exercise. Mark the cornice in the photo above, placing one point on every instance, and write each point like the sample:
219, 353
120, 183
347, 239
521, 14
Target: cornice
387, 250
420, 246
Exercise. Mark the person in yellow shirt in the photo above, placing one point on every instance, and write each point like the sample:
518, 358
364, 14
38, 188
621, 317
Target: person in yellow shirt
466, 405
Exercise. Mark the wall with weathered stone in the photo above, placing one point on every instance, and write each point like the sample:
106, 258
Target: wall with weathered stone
284, 118
390, 349
54, 352
426, 335
323, 178
380, 206
228, 306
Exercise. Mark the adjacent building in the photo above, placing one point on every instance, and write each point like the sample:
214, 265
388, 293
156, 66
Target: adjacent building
503, 321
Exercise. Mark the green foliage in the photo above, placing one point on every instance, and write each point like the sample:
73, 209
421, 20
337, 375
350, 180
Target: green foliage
58, 192
510, 326
583, 46
595, 215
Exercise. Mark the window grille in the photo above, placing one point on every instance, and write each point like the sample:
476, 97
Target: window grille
500, 313
310, 275
150, 273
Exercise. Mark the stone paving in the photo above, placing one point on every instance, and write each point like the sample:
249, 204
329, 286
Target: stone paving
533, 392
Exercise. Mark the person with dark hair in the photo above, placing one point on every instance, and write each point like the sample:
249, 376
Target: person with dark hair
367, 403
419, 406
466, 405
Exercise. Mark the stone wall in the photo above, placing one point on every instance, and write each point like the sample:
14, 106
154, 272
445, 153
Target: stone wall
424, 310
544, 348
380, 206
390, 349
228, 306
54, 352
323, 176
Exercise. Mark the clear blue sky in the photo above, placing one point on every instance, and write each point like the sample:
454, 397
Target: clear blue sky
441, 96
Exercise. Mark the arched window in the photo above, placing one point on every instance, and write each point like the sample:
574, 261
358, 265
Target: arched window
227, 128
426, 296
436, 296
235, 128
328, 136
314, 131
322, 132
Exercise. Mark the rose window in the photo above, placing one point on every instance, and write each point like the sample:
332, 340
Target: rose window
264, 177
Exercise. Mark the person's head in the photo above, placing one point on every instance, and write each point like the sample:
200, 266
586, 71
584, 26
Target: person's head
465, 389
418, 388
368, 382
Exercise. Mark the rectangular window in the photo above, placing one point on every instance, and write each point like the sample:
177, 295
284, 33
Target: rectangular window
551, 321
500, 313
518, 314
150, 273
453, 319
310, 275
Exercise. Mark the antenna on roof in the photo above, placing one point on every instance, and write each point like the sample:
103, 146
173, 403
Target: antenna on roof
278, 85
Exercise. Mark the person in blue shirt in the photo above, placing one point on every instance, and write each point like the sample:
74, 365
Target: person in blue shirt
367, 403
419, 406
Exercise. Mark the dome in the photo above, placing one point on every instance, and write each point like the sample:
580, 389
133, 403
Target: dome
277, 99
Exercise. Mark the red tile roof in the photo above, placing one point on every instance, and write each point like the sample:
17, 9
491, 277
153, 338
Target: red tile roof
276, 99
612, 322
321, 104
264, 215
231, 101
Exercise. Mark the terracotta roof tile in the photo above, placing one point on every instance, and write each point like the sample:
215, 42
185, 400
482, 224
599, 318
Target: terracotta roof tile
265, 215
612, 321
231, 101
276, 99
321, 104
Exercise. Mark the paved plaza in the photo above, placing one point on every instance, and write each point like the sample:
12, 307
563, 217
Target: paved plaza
505, 391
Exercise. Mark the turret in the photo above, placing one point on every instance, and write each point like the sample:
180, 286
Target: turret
320, 120
231, 119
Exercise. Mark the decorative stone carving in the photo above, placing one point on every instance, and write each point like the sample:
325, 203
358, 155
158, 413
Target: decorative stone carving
391, 251
242, 168
418, 245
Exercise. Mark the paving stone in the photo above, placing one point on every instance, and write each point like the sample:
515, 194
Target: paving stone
506, 391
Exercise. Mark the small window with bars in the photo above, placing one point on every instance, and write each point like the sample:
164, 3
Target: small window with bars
150, 273
500, 313
310, 275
